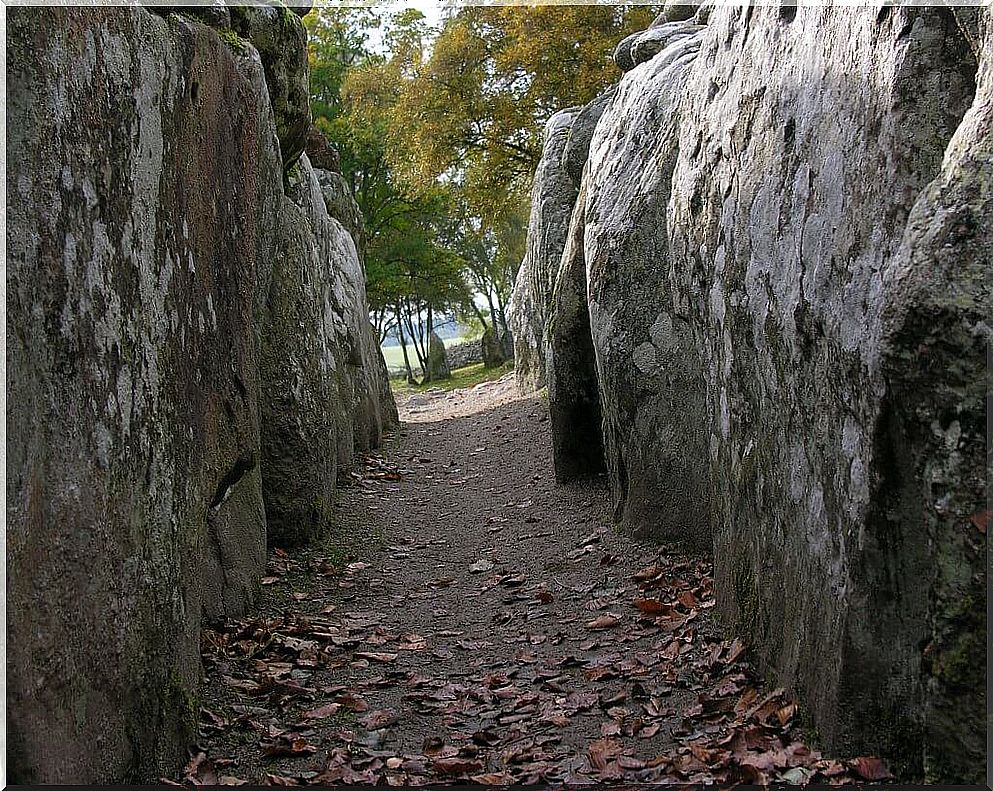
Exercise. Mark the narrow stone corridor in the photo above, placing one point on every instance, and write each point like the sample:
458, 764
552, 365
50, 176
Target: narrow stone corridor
496, 630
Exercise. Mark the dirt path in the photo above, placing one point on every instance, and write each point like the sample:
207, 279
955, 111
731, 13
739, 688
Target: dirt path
486, 625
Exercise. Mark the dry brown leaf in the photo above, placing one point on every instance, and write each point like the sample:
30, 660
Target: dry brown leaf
376, 656
607, 621
869, 767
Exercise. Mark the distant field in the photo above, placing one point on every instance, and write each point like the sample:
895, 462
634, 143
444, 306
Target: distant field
394, 354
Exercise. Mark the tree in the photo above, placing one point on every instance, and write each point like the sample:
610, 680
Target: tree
474, 111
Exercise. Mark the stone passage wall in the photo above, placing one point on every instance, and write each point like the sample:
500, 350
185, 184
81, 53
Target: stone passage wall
147, 260
785, 222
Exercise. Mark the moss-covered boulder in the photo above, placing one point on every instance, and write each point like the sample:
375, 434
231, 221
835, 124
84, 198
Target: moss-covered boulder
281, 40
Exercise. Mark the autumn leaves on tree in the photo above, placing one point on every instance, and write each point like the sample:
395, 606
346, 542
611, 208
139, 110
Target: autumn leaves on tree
439, 132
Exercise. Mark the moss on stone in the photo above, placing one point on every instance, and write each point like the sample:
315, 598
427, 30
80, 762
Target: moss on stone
233, 41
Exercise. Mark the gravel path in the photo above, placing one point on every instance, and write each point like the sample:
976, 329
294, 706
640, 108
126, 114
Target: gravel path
482, 624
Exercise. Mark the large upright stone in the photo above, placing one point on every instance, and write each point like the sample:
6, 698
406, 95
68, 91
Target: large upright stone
552, 197
281, 40
144, 176
146, 217
787, 249
648, 366
492, 350
937, 337
788, 280
437, 359
325, 387
573, 393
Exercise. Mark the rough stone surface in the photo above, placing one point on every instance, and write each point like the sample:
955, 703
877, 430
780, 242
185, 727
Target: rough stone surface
491, 349
648, 368
147, 214
573, 396
936, 336
577, 146
462, 354
788, 281
507, 342
363, 407
437, 359
322, 155
552, 197
281, 39
786, 247
330, 390
342, 206
133, 486
299, 433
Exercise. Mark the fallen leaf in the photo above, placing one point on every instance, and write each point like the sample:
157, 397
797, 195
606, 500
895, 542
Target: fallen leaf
650, 606
322, 712
981, 520
376, 720
376, 656
604, 622
456, 766
283, 746
871, 768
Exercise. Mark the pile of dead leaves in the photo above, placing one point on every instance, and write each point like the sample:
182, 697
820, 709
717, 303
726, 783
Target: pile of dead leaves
661, 697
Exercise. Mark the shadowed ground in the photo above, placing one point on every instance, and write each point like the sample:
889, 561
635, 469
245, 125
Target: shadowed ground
485, 624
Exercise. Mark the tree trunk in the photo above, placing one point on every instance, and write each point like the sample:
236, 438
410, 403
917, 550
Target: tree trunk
503, 314
479, 315
403, 345
413, 337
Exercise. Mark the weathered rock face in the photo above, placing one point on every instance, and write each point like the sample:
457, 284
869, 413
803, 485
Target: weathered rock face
573, 395
491, 349
281, 39
133, 377
786, 249
437, 359
552, 199
788, 287
322, 155
341, 205
648, 368
299, 433
462, 354
146, 217
936, 334
577, 145
324, 380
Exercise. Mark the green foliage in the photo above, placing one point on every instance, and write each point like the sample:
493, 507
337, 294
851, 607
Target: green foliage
475, 110
439, 132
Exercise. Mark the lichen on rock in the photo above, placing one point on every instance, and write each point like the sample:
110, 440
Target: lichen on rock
147, 244
786, 356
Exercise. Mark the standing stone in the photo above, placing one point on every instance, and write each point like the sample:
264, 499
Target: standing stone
552, 197
790, 340
437, 359
163, 295
648, 367
280, 38
298, 368
573, 393
507, 344
492, 349
143, 186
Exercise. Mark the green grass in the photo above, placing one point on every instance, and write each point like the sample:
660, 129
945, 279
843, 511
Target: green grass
461, 379
394, 354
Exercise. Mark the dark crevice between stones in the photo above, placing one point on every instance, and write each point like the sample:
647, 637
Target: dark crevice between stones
244, 465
